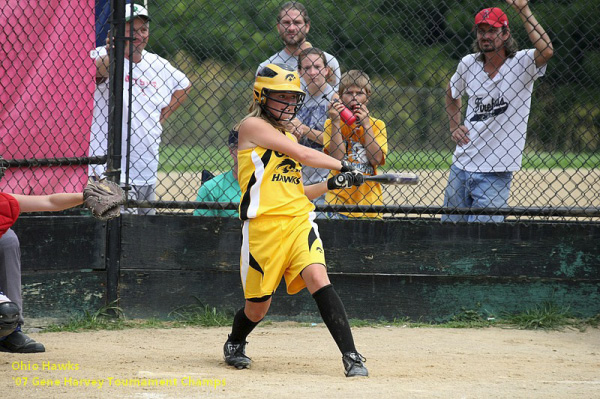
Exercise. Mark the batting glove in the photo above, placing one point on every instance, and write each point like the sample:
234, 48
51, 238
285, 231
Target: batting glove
345, 180
347, 166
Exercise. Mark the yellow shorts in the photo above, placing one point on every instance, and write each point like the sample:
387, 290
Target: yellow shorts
278, 246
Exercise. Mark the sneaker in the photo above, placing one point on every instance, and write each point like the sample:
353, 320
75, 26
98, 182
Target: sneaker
17, 342
235, 354
353, 364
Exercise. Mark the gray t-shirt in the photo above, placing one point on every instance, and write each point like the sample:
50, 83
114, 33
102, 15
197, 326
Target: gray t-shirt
314, 114
284, 58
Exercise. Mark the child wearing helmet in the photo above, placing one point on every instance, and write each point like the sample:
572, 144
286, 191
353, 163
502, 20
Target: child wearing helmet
279, 235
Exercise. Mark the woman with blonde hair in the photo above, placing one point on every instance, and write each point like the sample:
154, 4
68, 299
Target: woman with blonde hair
279, 235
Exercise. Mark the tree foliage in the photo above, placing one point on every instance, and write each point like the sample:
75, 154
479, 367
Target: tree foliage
410, 48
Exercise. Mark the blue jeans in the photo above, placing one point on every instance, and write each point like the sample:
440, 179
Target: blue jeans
476, 190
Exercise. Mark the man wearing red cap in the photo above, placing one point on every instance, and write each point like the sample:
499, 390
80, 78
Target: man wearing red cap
498, 80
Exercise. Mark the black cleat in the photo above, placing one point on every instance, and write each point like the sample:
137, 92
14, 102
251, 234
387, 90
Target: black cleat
17, 342
354, 365
235, 354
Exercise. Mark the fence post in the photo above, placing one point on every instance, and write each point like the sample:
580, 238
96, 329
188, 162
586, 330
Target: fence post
117, 66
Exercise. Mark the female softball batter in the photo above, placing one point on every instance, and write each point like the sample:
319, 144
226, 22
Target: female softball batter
279, 236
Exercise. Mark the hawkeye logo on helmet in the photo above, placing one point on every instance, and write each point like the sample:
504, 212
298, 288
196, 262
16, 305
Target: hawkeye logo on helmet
290, 77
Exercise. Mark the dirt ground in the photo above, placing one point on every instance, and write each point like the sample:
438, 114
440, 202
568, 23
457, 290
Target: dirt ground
291, 361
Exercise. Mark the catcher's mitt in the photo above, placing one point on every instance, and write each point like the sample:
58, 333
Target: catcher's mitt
104, 198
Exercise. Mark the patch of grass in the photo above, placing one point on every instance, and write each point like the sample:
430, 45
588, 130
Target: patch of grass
395, 322
214, 158
547, 316
357, 323
550, 160
417, 160
202, 315
400, 322
194, 158
109, 317
148, 323
470, 318
593, 321
468, 324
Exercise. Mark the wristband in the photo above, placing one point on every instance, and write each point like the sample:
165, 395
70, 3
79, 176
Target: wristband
347, 166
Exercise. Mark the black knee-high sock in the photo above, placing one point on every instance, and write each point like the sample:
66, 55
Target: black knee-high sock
334, 315
242, 327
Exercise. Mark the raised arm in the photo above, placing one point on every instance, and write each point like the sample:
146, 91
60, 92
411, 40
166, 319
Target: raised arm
300, 130
337, 145
102, 64
374, 151
537, 35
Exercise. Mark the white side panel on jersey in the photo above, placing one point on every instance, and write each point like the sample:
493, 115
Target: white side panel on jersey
245, 256
259, 172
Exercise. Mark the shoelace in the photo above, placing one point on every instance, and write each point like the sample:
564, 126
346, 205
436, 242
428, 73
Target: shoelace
238, 349
361, 357
357, 357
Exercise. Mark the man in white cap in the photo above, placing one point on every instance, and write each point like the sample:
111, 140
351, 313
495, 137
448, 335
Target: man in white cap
158, 89
498, 80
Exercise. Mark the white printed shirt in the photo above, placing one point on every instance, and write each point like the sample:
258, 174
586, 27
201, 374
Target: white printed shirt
497, 111
154, 82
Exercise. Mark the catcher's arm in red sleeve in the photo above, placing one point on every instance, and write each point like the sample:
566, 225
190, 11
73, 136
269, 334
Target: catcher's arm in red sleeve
11, 205
102, 198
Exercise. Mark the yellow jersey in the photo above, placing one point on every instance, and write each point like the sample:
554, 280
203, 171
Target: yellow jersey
370, 192
271, 184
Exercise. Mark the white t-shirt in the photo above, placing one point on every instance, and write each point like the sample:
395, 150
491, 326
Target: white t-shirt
154, 82
283, 57
497, 111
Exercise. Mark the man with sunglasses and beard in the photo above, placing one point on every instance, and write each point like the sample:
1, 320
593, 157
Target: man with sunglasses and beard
293, 25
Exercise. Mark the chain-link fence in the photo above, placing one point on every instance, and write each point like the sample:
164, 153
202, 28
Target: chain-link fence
191, 81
